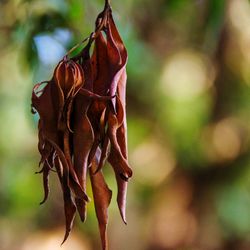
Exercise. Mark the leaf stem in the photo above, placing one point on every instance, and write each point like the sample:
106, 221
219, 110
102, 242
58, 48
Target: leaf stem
107, 3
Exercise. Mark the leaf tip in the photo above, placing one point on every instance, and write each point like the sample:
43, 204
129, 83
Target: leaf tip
65, 237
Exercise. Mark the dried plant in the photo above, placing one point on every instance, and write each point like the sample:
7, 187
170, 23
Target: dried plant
83, 123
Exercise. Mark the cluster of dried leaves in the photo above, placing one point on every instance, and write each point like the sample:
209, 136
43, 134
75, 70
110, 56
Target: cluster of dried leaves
83, 122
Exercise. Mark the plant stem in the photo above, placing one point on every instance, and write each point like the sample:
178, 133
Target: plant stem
107, 3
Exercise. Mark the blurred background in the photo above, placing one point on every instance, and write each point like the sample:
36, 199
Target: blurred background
188, 105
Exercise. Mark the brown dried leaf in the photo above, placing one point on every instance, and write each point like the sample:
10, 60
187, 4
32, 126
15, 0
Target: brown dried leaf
102, 197
83, 119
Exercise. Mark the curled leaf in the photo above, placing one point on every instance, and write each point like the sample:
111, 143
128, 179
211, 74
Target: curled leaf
82, 123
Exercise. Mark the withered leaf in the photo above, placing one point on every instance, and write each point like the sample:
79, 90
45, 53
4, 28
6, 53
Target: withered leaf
82, 124
102, 197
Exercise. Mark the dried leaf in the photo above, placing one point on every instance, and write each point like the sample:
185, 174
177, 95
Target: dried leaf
82, 123
102, 197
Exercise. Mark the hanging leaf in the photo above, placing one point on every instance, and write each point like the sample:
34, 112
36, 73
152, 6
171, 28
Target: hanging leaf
83, 123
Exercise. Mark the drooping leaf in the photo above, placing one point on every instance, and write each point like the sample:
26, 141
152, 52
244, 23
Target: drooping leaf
82, 124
